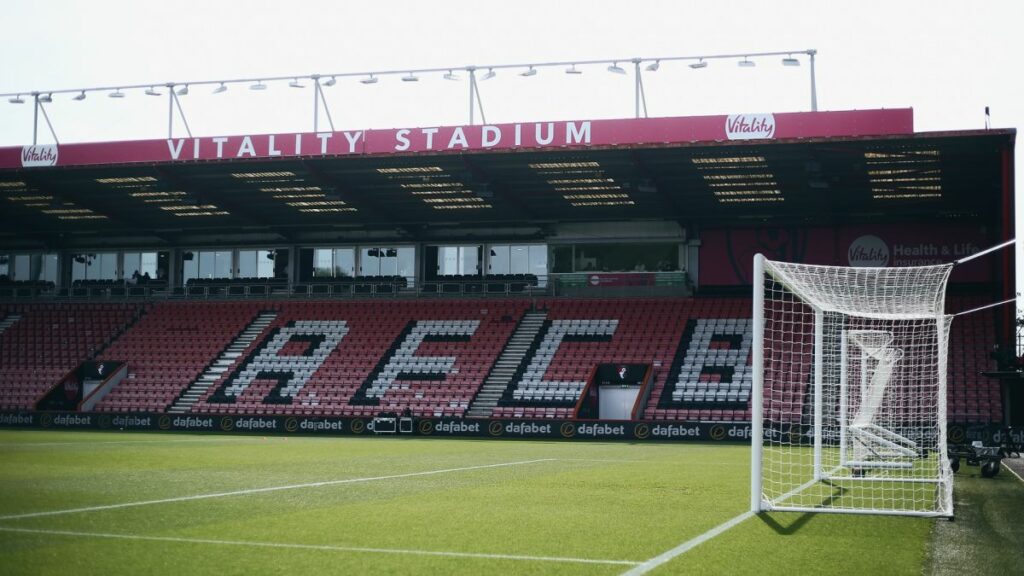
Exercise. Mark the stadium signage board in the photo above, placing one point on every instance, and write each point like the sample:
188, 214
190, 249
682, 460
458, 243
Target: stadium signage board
563, 135
440, 427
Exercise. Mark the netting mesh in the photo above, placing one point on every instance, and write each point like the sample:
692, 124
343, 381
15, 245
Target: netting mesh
852, 370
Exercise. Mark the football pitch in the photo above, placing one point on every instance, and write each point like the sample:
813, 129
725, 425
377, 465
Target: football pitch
135, 503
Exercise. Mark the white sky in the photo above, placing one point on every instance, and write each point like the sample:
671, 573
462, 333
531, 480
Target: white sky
947, 60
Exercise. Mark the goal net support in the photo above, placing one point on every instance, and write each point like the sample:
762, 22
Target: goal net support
849, 398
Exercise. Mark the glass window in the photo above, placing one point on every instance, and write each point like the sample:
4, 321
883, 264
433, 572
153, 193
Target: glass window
222, 264
538, 261
107, 269
131, 264
561, 259
22, 267
498, 262
369, 261
388, 261
626, 257
247, 263
520, 259
407, 264
5, 267
322, 265
150, 264
205, 264
51, 268
265, 263
453, 260
190, 266
344, 262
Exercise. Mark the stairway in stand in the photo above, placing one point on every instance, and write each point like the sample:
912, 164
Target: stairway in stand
222, 364
9, 321
505, 368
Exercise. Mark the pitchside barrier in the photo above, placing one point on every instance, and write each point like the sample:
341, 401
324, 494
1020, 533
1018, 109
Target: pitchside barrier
645, 431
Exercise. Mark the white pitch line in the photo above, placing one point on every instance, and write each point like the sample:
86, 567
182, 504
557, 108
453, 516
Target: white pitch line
685, 547
268, 489
1012, 471
325, 547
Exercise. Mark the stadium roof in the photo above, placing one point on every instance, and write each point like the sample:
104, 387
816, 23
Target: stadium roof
820, 167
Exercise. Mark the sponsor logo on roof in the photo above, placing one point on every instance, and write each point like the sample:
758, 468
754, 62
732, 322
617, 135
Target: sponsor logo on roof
45, 155
750, 126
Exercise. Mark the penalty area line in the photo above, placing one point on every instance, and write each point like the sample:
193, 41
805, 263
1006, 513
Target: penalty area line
268, 489
685, 547
321, 547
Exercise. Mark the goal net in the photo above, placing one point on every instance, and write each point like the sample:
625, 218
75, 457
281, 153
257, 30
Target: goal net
849, 399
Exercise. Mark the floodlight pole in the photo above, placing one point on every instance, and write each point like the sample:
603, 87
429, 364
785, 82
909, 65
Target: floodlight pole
814, 89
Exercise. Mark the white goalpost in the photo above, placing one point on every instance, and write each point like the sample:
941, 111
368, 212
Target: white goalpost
849, 395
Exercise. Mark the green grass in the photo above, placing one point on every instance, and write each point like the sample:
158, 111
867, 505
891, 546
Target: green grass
594, 501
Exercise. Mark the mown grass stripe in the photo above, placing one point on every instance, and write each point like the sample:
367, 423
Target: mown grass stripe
268, 489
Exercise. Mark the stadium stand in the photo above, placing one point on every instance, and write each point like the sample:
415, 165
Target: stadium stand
972, 397
578, 335
431, 356
393, 355
168, 349
48, 340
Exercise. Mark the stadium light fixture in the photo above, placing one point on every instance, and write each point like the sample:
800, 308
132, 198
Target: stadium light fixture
699, 64
572, 70
371, 79
80, 97
47, 98
452, 76
331, 81
653, 67
219, 89
531, 71
16, 100
116, 94
490, 74
746, 63
616, 69
294, 84
152, 92
183, 91
258, 86
790, 61
410, 77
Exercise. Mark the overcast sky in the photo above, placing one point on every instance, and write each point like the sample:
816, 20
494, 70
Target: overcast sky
947, 60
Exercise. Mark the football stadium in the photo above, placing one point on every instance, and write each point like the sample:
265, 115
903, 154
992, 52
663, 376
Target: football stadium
772, 343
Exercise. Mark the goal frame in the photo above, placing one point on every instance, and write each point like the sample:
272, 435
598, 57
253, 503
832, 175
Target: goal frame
900, 445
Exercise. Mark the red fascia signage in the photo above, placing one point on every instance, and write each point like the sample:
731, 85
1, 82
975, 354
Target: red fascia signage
573, 134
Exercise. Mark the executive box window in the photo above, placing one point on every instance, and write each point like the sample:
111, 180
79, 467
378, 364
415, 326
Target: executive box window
621, 257
38, 266
94, 266
256, 263
519, 259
